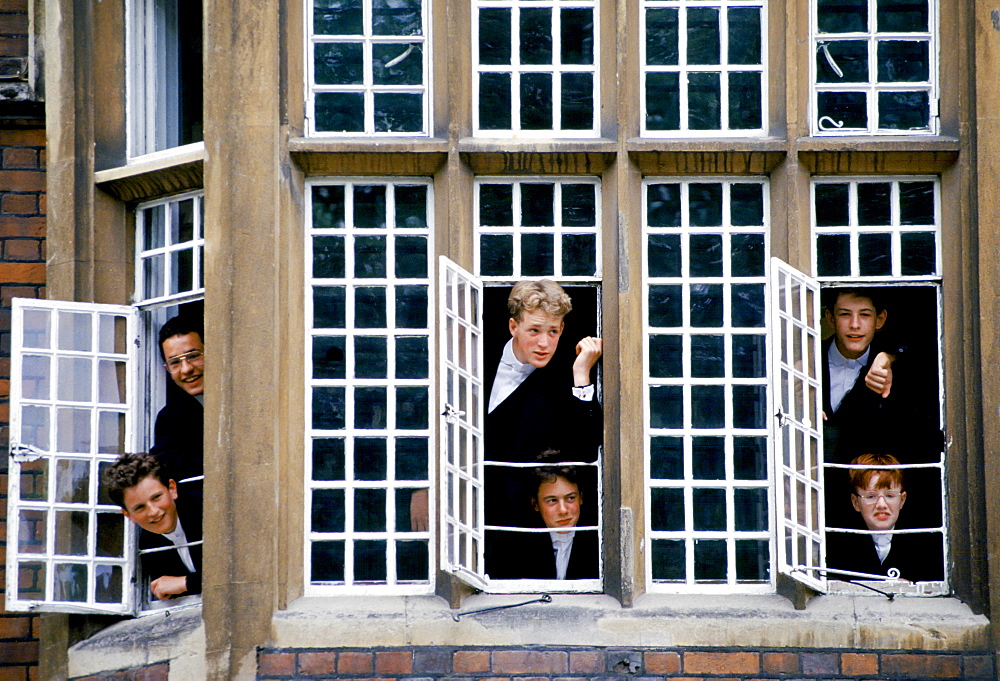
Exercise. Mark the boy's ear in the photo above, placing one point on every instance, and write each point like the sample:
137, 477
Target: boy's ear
880, 319
512, 325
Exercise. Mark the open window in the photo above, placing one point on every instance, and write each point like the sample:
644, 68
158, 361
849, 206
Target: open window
73, 381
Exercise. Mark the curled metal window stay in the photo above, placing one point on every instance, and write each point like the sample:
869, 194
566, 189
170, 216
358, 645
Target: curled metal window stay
825, 49
827, 123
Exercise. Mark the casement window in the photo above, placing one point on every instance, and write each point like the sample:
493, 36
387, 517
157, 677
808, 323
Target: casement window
703, 67
874, 67
535, 68
86, 383
708, 500
164, 75
367, 67
369, 428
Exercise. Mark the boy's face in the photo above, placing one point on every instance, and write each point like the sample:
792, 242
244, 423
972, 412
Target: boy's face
150, 505
559, 503
854, 321
536, 337
186, 371
879, 507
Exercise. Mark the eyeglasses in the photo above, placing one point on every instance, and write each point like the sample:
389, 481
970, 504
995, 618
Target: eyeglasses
871, 498
194, 357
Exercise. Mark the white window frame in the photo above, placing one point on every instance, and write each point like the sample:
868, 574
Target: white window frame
151, 76
22, 452
557, 230
516, 69
872, 87
895, 228
368, 88
723, 69
688, 484
349, 585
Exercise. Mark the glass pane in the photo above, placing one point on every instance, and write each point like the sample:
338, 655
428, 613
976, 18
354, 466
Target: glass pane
35, 331
579, 255
748, 305
339, 63
328, 357
918, 253
666, 458
664, 255
579, 205
31, 532
753, 562
72, 529
661, 37
73, 430
34, 480
329, 307
328, 256
706, 305
369, 257
705, 204
328, 459
396, 17
494, 36
35, 373
901, 16
154, 227
665, 306
709, 560
750, 458
668, 560
111, 535
74, 379
70, 583
842, 61
705, 255
111, 333
745, 101
749, 406
708, 406
371, 357
704, 101
337, 17
340, 112
577, 36
537, 201
904, 110
328, 213
411, 307
708, 458
411, 206
832, 204
747, 255
744, 35
749, 358
328, 408
399, 112
709, 507
842, 16
874, 203
31, 581
703, 35
75, 331
708, 356
327, 561
665, 358
411, 458
495, 101
833, 253
750, 510
536, 101
72, 481
916, 203
875, 254
411, 357
411, 408
328, 510
663, 205
370, 408
111, 382
35, 426
903, 61
842, 110
496, 204
369, 510
369, 307
666, 406
108, 583
369, 561
412, 561
666, 512
577, 101
663, 101
536, 35
537, 258
411, 256
369, 207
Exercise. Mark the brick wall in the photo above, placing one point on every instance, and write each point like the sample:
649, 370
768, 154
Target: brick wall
22, 274
603, 664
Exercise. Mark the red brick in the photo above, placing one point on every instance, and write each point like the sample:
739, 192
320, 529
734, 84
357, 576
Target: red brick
13, 673
859, 664
8, 293
154, 672
276, 663
586, 662
317, 663
15, 627
781, 663
721, 663
922, 666
22, 272
22, 138
22, 249
820, 663
530, 662
471, 661
354, 663
662, 663
495, 678
19, 203
19, 652
978, 667
14, 157
22, 180
11, 225
393, 662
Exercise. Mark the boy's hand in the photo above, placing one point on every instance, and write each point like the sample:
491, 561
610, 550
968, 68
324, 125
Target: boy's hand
165, 587
588, 351
879, 377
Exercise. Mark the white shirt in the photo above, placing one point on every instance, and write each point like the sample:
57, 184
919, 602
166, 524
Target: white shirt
511, 373
883, 544
844, 373
179, 539
562, 545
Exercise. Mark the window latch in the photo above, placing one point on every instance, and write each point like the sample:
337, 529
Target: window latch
544, 599
830, 60
450, 414
25, 453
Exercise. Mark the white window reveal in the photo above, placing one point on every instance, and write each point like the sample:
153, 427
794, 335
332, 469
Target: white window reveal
535, 69
69, 548
369, 509
368, 67
708, 497
703, 67
874, 67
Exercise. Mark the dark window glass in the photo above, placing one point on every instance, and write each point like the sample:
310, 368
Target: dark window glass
663, 103
668, 560
666, 458
328, 307
848, 109
370, 408
411, 307
369, 206
663, 205
708, 357
753, 562
704, 101
917, 253
411, 408
874, 203
369, 560
664, 306
833, 255
328, 510
536, 205
708, 406
744, 35
396, 17
496, 205
328, 408
901, 16
747, 255
577, 40
371, 357
749, 406
411, 458
665, 358
403, 499
744, 101
328, 207
411, 206
411, 256
412, 561
749, 357
664, 255
703, 35
397, 64
369, 257
399, 112
340, 112
579, 206
661, 37
746, 205
748, 305
832, 204
338, 17
411, 357
328, 459
842, 16
666, 509
709, 507
494, 101
903, 61
339, 63
536, 35
369, 511
494, 36
370, 458
577, 101
666, 406
750, 458
496, 255
327, 561
904, 110
705, 203
708, 458
537, 255
536, 101
709, 560
750, 509
706, 305
369, 307
849, 57
328, 256
579, 255
875, 254
916, 203
705, 255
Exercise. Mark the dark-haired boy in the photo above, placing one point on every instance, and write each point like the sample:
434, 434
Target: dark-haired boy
139, 484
